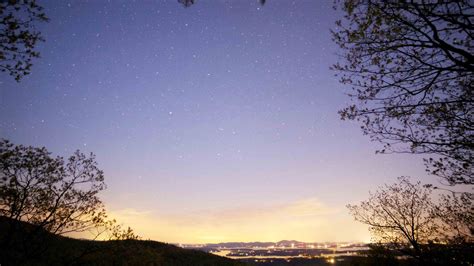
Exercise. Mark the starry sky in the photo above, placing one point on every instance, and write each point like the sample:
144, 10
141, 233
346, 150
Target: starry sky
213, 123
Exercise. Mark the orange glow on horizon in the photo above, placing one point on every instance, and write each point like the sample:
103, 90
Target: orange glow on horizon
306, 220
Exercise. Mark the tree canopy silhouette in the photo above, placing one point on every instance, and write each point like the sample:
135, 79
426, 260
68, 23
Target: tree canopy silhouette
398, 213
411, 67
405, 217
52, 194
57, 195
18, 36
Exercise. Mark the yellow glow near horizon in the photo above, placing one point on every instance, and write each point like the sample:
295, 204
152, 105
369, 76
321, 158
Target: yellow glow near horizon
304, 220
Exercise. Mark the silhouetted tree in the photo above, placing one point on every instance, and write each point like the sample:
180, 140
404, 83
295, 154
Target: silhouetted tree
398, 214
51, 195
411, 67
56, 195
455, 210
403, 217
18, 36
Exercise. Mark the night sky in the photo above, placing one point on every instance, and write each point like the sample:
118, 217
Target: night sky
216, 122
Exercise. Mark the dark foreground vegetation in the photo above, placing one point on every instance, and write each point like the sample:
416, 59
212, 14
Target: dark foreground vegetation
49, 249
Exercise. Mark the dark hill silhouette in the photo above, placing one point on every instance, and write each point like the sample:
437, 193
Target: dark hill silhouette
49, 249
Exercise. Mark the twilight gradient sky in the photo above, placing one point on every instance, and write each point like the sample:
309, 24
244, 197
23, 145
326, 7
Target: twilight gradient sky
212, 123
